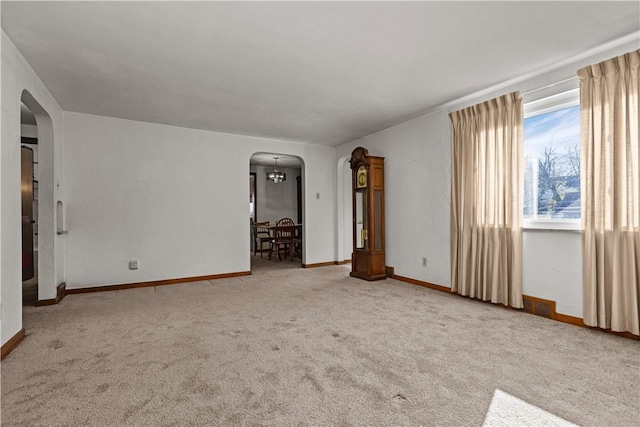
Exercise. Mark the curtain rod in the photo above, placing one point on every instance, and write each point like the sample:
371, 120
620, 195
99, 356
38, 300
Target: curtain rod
551, 85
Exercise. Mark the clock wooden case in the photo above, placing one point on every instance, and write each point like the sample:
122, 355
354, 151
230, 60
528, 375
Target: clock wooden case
368, 259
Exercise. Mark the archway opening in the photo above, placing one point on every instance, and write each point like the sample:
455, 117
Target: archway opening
44, 190
29, 181
276, 194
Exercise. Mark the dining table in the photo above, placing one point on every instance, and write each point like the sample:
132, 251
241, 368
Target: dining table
274, 229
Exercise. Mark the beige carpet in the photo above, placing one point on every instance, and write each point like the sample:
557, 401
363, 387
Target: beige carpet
292, 346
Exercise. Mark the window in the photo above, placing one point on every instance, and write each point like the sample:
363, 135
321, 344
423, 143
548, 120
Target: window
552, 162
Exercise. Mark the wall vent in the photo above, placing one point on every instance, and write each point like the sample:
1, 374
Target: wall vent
539, 307
389, 271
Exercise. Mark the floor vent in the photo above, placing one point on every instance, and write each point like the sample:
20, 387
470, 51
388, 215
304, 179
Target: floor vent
388, 271
539, 307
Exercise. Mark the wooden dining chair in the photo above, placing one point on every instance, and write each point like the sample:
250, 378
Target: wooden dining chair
297, 243
283, 241
260, 237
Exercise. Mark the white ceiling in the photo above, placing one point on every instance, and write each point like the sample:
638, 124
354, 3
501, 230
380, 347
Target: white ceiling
318, 72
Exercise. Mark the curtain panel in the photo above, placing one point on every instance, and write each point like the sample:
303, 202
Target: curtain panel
486, 200
610, 181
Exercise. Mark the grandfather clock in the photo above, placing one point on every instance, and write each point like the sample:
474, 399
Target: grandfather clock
367, 172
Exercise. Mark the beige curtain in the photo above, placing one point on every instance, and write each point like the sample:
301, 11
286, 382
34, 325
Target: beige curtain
610, 185
486, 200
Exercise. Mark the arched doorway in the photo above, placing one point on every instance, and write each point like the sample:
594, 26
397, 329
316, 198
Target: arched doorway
44, 207
271, 200
29, 180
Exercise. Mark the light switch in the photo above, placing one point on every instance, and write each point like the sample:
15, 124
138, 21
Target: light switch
318, 196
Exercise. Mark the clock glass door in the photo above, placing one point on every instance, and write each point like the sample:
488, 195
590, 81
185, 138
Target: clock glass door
361, 220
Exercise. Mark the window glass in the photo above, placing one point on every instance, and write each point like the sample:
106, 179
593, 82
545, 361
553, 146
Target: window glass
552, 165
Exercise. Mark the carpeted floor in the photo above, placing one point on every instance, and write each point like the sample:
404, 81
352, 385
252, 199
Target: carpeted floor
292, 346
30, 292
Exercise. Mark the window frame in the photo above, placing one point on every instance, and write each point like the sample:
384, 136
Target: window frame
536, 106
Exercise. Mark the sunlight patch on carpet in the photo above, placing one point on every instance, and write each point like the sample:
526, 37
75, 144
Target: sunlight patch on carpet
508, 410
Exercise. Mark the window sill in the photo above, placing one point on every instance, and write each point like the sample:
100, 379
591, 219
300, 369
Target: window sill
551, 225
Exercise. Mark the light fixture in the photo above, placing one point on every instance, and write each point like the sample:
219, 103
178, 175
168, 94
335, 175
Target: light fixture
275, 175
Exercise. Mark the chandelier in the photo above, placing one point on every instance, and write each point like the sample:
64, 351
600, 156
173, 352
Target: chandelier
275, 175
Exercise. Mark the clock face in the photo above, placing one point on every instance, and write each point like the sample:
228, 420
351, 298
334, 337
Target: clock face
361, 177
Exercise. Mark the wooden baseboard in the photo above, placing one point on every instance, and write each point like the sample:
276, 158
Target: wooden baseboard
60, 294
156, 283
325, 264
320, 264
13, 342
421, 283
559, 317
565, 318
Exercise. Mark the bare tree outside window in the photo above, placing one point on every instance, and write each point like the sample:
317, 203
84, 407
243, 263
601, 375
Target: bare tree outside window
552, 165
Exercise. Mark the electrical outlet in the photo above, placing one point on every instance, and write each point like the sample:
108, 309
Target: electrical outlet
424, 261
317, 196
133, 264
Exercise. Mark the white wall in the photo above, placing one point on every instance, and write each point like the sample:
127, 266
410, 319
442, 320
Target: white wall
29, 131
276, 200
417, 196
175, 199
17, 76
417, 172
552, 268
